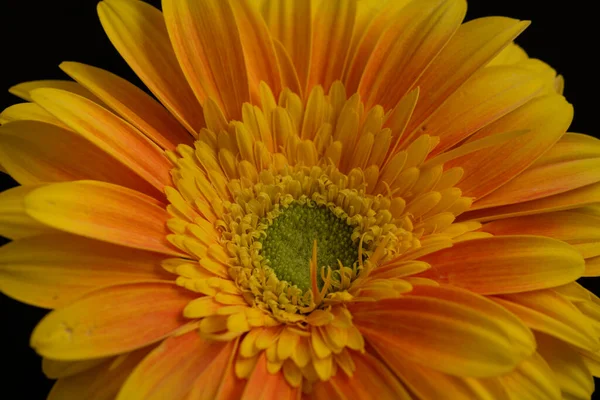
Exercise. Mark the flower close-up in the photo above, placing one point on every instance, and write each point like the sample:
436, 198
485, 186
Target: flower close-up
310, 199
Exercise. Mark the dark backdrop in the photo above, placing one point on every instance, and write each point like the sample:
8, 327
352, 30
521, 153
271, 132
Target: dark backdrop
37, 35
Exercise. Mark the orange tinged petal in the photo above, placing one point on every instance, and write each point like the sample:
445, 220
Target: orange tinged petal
371, 376
108, 132
52, 270
131, 103
207, 43
28, 111
111, 321
34, 152
55, 369
570, 147
23, 90
549, 312
104, 212
448, 329
132, 26
474, 44
547, 118
169, 371
264, 385
532, 380
100, 383
289, 75
16, 223
506, 264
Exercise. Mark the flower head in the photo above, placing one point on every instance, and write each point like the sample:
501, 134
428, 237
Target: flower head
330, 199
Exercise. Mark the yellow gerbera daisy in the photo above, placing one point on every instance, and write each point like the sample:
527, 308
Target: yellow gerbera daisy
330, 199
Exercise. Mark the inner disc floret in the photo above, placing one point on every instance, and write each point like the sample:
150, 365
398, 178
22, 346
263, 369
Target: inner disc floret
288, 242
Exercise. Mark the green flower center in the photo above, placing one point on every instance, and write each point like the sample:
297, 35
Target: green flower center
287, 246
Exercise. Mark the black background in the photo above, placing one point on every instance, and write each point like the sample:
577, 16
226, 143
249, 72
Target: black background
37, 35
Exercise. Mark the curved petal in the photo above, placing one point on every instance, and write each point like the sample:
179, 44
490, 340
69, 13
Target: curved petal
16, 223
131, 103
55, 369
35, 152
207, 43
549, 312
30, 112
264, 385
371, 378
112, 320
104, 212
52, 270
532, 380
138, 32
99, 383
506, 264
170, 370
571, 373
448, 329
23, 90
109, 132
546, 118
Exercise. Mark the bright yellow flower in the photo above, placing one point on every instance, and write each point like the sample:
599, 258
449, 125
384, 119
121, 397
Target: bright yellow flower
337, 198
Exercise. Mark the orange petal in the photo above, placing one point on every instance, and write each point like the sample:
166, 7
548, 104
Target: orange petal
23, 90
109, 133
487, 96
131, 103
104, 212
473, 45
170, 370
506, 264
259, 50
448, 329
532, 380
132, 26
34, 152
290, 22
580, 230
570, 147
547, 118
100, 383
264, 385
112, 320
549, 312
289, 75
407, 48
570, 371
52, 270
16, 224
371, 377
207, 43
333, 25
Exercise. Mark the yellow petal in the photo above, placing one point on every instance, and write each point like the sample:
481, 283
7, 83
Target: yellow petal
23, 90
532, 380
496, 264
132, 26
104, 212
207, 43
52, 270
448, 329
111, 321
16, 223
28, 111
512, 54
55, 369
131, 103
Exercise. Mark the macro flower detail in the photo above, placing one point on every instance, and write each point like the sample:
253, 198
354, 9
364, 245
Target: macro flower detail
323, 199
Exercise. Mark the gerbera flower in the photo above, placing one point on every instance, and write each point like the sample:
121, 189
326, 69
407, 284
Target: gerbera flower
330, 199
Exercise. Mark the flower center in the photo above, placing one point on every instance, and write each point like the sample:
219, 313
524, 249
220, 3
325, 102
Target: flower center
287, 246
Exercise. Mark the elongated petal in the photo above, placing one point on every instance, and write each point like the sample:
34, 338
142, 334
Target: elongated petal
549, 312
371, 376
104, 212
138, 32
487, 96
131, 103
474, 44
570, 147
169, 370
23, 90
447, 329
206, 41
546, 118
35, 152
264, 385
532, 380
16, 223
506, 264
100, 383
580, 230
568, 366
109, 133
111, 321
52, 270
55, 369
28, 111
